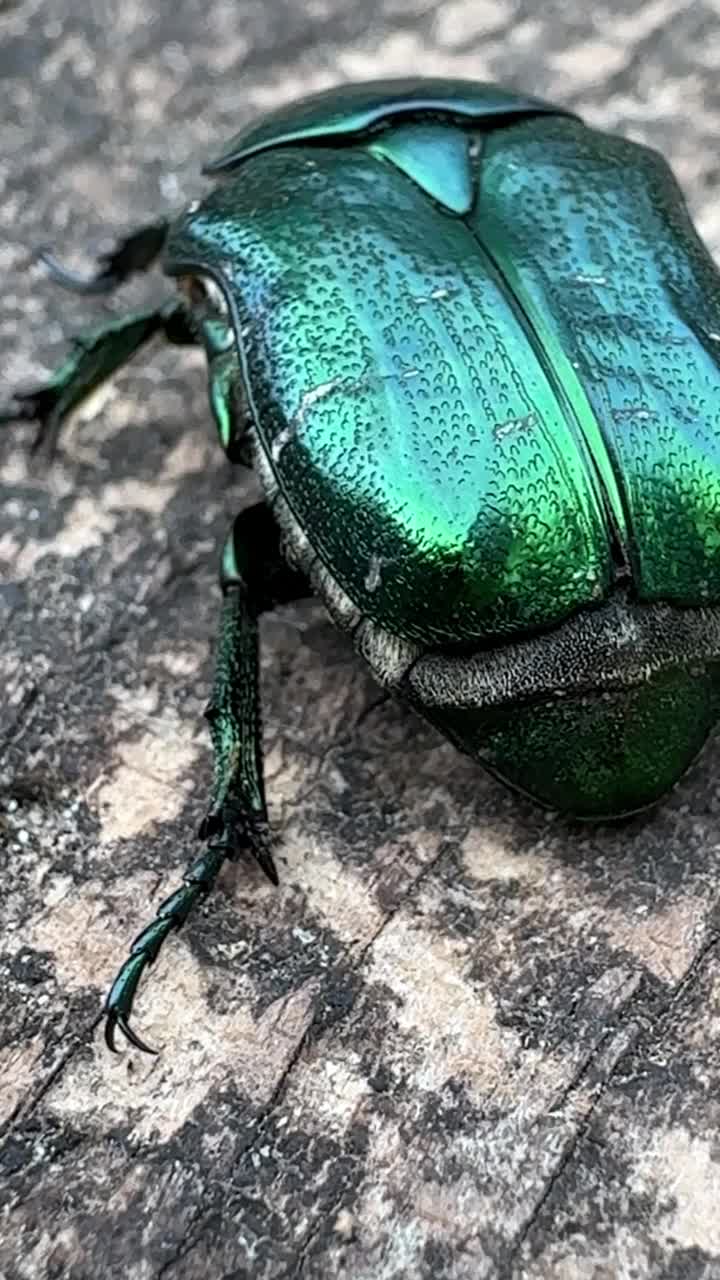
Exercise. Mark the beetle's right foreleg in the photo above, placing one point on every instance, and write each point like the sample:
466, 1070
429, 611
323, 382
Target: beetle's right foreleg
92, 361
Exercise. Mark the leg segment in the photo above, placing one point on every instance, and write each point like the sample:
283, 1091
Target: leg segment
254, 578
227, 401
137, 252
93, 360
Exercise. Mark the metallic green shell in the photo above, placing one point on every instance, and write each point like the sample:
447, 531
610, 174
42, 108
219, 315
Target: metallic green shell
352, 110
474, 420
482, 359
593, 236
598, 717
413, 421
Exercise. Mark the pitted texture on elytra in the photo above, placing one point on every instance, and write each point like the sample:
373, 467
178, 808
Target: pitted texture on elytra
473, 455
414, 429
593, 232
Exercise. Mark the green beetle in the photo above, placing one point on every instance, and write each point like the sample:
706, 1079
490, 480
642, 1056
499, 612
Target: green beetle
472, 347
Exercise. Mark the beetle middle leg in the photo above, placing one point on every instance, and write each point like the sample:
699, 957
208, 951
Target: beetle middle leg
254, 577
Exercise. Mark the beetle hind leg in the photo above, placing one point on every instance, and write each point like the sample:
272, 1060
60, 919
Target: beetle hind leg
198, 880
254, 577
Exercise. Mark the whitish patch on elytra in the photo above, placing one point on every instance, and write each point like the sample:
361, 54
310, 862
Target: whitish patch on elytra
435, 295
514, 426
639, 412
307, 400
282, 440
373, 577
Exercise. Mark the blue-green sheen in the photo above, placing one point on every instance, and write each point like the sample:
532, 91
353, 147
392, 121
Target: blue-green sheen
412, 422
352, 110
487, 411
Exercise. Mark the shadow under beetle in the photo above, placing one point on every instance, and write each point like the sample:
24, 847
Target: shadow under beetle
472, 348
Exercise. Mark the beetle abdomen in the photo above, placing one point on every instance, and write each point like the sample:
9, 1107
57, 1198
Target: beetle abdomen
600, 755
598, 718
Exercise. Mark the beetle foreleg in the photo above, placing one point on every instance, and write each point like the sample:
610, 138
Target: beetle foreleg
135, 253
254, 577
94, 359
225, 389
228, 407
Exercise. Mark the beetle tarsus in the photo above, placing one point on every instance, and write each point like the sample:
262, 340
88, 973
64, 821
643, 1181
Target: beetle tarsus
254, 578
118, 1020
43, 406
171, 915
244, 831
135, 253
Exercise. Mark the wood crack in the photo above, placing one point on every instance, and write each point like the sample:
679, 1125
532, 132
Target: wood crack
203, 1220
638, 1040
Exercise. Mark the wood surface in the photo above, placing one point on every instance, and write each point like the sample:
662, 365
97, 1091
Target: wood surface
465, 1038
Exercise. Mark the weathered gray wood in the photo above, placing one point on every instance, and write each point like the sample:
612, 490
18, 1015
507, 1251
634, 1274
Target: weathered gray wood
464, 1039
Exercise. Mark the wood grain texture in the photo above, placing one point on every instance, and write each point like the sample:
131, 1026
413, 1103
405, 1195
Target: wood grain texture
464, 1039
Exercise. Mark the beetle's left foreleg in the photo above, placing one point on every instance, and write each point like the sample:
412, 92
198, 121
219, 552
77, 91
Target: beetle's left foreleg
93, 360
254, 577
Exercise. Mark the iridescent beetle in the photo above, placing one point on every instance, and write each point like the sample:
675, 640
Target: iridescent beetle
472, 347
